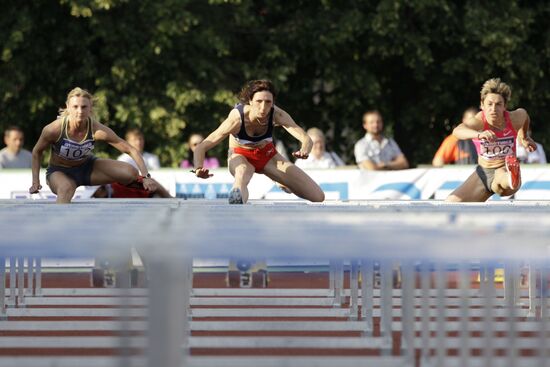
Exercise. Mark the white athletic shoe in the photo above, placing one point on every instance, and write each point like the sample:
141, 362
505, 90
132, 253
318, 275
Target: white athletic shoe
235, 196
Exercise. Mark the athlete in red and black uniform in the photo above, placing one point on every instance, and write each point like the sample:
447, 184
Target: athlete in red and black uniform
250, 129
494, 131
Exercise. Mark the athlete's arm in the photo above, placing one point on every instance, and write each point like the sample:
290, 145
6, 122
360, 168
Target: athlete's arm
473, 128
521, 121
48, 136
282, 118
230, 125
106, 134
399, 162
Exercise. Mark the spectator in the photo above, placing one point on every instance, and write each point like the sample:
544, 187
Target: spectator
209, 162
376, 151
135, 138
524, 156
13, 155
457, 151
319, 157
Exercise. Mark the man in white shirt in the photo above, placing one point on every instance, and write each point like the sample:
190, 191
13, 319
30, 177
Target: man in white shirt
376, 151
13, 155
136, 139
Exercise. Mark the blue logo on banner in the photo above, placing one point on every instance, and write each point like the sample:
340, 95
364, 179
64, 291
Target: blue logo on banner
536, 185
450, 185
199, 190
405, 188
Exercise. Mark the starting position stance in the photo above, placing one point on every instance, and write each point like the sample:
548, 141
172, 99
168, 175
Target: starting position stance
71, 138
494, 131
250, 130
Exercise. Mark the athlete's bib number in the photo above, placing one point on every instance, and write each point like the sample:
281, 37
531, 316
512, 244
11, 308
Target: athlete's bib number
75, 152
497, 149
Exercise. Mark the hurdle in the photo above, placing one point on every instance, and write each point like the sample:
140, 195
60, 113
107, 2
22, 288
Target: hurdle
422, 315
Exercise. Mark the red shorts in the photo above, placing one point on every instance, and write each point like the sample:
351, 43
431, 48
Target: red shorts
258, 157
123, 191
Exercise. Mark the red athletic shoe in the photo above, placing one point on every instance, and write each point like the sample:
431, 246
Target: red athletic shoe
512, 166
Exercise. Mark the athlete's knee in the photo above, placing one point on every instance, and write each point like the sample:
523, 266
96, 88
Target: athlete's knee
244, 172
65, 193
318, 196
453, 199
129, 173
65, 188
504, 191
132, 172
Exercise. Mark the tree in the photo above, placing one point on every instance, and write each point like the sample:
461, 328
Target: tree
172, 67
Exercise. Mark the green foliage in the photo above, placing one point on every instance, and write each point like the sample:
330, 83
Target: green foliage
172, 67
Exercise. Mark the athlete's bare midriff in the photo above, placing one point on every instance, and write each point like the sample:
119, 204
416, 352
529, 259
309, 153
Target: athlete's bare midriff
259, 145
56, 160
490, 164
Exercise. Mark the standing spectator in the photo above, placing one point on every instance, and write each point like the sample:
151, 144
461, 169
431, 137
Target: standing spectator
524, 156
13, 155
209, 162
376, 151
454, 151
319, 157
135, 138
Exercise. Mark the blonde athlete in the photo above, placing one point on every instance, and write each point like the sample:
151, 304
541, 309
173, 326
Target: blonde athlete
250, 130
494, 131
72, 163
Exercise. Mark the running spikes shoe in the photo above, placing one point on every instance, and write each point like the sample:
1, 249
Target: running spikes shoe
235, 196
512, 166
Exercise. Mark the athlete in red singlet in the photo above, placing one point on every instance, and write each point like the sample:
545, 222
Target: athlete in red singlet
249, 127
494, 131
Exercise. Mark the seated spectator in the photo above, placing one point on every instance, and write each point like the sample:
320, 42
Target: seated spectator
13, 155
454, 151
209, 162
319, 157
135, 138
537, 156
375, 151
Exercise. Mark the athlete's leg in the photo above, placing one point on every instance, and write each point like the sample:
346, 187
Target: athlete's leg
501, 183
243, 171
108, 171
63, 186
472, 190
286, 173
160, 190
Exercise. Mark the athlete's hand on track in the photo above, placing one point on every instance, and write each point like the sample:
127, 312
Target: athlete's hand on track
35, 188
529, 144
202, 172
300, 154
